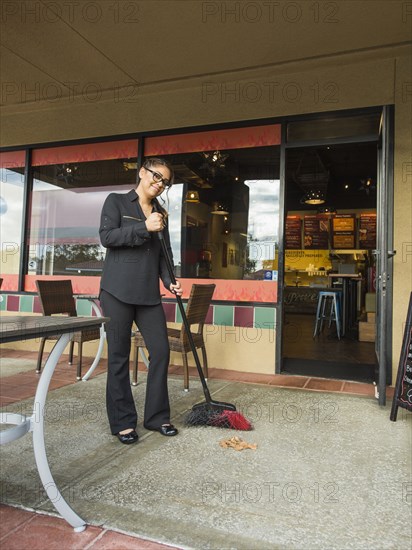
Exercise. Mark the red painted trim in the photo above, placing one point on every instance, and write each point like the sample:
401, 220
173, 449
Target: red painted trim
12, 159
10, 282
237, 291
234, 138
81, 285
85, 153
226, 290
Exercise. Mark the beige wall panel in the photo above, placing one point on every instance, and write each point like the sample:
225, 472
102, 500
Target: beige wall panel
251, 352
89, 350
402, 204
237, 348
309, 88
230, 348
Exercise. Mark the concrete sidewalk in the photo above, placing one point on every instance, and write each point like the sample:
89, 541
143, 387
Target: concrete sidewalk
329, 471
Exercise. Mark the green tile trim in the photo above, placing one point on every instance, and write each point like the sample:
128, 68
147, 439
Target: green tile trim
223, 315
178, 314
83, 307
264, 317
26, 304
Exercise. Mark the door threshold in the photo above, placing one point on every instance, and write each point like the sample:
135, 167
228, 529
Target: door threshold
337, 370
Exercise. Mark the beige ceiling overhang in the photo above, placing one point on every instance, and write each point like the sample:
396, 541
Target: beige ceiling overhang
68, 64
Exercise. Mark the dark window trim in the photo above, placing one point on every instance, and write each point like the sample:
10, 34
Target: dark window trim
27, 191
330, 141
281, 252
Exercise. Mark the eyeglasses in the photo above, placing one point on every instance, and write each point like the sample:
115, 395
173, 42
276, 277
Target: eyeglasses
158, 178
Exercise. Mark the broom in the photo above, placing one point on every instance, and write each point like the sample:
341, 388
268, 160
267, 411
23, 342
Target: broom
209, 412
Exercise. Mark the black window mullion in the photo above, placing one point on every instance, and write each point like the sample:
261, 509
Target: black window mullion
24, 247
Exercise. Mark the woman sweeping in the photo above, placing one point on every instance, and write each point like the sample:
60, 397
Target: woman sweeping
129, 291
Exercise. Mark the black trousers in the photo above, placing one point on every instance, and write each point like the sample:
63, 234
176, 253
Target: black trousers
151, 322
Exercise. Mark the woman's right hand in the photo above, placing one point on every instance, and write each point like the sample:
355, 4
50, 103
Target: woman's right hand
155, 222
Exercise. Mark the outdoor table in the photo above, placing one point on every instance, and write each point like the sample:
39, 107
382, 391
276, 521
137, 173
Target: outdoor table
18, 328
348, 300
94, 301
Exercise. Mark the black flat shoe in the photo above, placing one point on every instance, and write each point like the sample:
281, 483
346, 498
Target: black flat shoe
128, 438
168, 430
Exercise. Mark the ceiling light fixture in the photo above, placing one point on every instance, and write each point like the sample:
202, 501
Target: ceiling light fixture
216, 157
314, 196
192, 196
66, 173
129, 165
219, 209
367, 186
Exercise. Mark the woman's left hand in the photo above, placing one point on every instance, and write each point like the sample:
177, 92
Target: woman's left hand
176, 289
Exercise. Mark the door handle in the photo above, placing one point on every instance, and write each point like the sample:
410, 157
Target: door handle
391, 253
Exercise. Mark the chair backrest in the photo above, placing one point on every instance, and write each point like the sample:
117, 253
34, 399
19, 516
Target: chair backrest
198, 304
56, 297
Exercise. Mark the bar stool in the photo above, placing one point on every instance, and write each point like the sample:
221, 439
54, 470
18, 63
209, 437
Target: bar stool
329, 309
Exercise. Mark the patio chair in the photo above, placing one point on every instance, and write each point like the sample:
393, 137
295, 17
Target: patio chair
56, 297
196, 311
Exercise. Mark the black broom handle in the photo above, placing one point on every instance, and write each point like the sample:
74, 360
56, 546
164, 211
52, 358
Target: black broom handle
183, 314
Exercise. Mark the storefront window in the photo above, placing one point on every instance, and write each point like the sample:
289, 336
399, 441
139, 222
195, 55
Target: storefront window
11, 200
224, 208
70, 185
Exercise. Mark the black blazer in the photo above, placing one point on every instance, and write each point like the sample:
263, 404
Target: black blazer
134, 259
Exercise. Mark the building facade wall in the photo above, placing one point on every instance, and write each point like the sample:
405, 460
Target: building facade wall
337, 82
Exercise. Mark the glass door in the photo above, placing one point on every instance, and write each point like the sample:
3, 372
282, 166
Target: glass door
329, 235
384, 254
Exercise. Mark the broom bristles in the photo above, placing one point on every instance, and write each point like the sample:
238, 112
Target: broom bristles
199, 417
232, 419
219, 419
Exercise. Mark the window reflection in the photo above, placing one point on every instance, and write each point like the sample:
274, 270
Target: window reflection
227, 226
11, 200
263, 223
173, 203
65, 214
223, 211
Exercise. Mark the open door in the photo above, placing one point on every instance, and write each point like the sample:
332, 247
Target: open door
384, 253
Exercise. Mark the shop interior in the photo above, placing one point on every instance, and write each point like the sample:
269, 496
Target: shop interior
229, 211
330, 235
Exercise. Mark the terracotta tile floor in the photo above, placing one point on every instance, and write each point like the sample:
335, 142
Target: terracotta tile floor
22, 529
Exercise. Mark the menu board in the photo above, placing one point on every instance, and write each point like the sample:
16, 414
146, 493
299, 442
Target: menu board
293, 233
367, 231
344, 231
316, 232
403, 388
